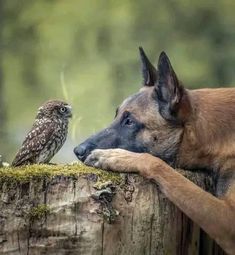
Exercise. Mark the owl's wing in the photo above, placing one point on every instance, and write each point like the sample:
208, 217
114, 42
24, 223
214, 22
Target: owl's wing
34, 143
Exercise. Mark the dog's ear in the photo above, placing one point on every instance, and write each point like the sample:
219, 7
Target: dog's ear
149, 72
172, 98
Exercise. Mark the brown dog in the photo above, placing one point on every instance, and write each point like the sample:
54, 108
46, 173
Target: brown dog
165, 126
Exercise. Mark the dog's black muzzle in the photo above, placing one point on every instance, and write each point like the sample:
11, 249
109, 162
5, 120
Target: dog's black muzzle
105, 139
110, 138
83, 150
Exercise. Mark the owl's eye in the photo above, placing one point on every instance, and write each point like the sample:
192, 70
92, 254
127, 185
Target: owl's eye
63, 109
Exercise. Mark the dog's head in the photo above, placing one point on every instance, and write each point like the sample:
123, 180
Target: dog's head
151, 120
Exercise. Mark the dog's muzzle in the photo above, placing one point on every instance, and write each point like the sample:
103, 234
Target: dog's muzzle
83, 150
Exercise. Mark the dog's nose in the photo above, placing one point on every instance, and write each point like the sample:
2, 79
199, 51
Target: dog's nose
80, 150
83, 150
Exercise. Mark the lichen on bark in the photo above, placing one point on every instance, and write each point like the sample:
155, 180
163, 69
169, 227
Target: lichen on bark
38, 212
26, 173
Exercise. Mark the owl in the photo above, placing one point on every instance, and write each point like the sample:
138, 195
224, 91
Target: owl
47, 135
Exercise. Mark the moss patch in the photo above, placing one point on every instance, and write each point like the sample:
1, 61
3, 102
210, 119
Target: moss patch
26, 173
38, 212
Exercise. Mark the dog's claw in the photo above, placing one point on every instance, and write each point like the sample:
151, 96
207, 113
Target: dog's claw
89, 161
92, 160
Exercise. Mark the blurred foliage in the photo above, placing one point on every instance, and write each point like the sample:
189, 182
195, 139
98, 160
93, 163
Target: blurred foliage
87, 52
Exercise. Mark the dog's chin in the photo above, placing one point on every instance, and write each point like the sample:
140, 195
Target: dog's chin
82, 159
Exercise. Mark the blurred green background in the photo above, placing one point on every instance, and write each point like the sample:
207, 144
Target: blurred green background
86, 52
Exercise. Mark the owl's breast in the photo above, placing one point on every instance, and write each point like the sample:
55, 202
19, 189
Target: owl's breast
54, 144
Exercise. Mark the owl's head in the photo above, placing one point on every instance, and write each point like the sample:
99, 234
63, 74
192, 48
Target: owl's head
55, 109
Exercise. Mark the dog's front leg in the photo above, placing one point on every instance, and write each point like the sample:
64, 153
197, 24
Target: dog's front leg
119, 160
210, 213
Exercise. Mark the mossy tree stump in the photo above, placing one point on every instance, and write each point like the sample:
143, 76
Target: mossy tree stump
75, 209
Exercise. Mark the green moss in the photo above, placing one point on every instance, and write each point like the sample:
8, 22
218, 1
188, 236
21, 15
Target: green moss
38, 212
26, 173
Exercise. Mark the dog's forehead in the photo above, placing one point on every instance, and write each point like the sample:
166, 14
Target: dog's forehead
138, 102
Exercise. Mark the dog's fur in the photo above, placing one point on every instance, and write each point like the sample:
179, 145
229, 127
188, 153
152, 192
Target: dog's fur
165, 126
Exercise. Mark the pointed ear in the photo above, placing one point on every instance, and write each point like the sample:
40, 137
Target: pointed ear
149, 72
173, 100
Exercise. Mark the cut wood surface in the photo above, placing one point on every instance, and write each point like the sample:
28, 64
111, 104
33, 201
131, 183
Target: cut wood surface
74, 209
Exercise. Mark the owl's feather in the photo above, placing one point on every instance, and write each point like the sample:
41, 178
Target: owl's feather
47, 135
34, 143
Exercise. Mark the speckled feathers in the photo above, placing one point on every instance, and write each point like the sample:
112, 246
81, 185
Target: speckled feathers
47, 135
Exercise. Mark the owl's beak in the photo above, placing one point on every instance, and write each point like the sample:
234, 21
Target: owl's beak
69, 111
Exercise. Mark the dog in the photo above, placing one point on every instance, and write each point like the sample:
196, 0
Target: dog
166, 126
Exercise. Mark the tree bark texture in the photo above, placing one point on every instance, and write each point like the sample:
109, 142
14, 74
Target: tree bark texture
66, 215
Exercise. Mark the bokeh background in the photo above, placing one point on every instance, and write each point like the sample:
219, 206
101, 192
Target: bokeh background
86, 52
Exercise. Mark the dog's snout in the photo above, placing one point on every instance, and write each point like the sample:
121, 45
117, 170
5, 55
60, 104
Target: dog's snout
83, 150
80, 150
105, 139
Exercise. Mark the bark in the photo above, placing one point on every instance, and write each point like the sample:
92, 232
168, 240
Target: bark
80, 216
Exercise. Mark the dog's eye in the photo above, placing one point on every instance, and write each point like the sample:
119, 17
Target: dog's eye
63, 109
128, 122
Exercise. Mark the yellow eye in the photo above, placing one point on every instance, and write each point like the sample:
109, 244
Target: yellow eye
63, 109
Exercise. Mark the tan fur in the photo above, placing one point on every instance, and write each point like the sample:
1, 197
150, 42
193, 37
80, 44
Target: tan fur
157, 130
207, 140
209, 134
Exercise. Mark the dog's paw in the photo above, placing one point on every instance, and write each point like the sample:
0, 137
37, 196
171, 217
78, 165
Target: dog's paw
95, 159
112, 159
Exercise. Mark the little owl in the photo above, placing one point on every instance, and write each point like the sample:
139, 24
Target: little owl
47, 135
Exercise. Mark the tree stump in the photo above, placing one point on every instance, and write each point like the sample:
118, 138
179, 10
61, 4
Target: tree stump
65, 213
